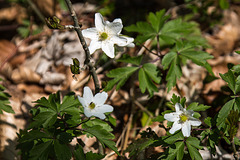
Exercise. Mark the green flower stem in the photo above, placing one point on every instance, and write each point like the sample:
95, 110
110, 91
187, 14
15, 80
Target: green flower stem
84, 44
235, 155
158, 47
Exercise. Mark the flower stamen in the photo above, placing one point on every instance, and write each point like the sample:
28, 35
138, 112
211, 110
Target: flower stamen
183, 118
91, 105
103, 36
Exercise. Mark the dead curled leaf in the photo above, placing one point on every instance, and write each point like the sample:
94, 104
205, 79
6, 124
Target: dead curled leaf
7, 49
24, 74
52, 78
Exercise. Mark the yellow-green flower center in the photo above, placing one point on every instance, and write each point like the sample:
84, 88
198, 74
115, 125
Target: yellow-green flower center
91, 105
103, 36
183, 118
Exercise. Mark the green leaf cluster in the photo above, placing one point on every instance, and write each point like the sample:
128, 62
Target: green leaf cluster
176, 147
54, 126
168, 32
148, 75
182, 52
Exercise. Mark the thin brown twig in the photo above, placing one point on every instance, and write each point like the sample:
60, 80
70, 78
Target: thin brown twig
84, 44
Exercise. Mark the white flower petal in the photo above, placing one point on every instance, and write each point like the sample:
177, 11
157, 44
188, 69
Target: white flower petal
87, 112
118, 20
120, 41
94, 45
195, 122
100, 98
87, 95
99, 22
176, 126
190, 112
108, 48
178, 107
131, 45
100, 115
129, 41
104, 108
91, 33
186, 129
172, 116
82, 101
114, 28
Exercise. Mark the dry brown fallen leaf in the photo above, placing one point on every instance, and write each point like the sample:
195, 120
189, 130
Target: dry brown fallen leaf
223, 42
13, 13
7, 49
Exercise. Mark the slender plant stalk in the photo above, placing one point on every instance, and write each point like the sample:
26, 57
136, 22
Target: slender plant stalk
36, 10
85, 47
235, 155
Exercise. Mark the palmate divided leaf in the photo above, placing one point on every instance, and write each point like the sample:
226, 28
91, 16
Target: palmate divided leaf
183, 51
102, 135
148, 74
167, 31
120, 76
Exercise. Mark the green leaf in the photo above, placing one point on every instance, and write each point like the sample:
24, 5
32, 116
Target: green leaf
238, 52
45, 119
159, 118
158, 19
208, 121
146, 83
43, 102
144, 28
41, 151
112, 120
138, 146
79, 153
173, 74
175, 99
168, 58
34, 135
237, 86
4, 101
104, 125
224, 4
195, 107
103, 136
94, 156
178, 136
176, 151
133, 60
62, 151
152, 71
64, 137
223, 113
120, 75
69, 101
229, 78
194, 142
193, 145
236, 69
146, 74
5, 107
198, 57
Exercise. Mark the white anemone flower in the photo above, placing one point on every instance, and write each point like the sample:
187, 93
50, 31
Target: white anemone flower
183, 119
105, 35
94, 105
